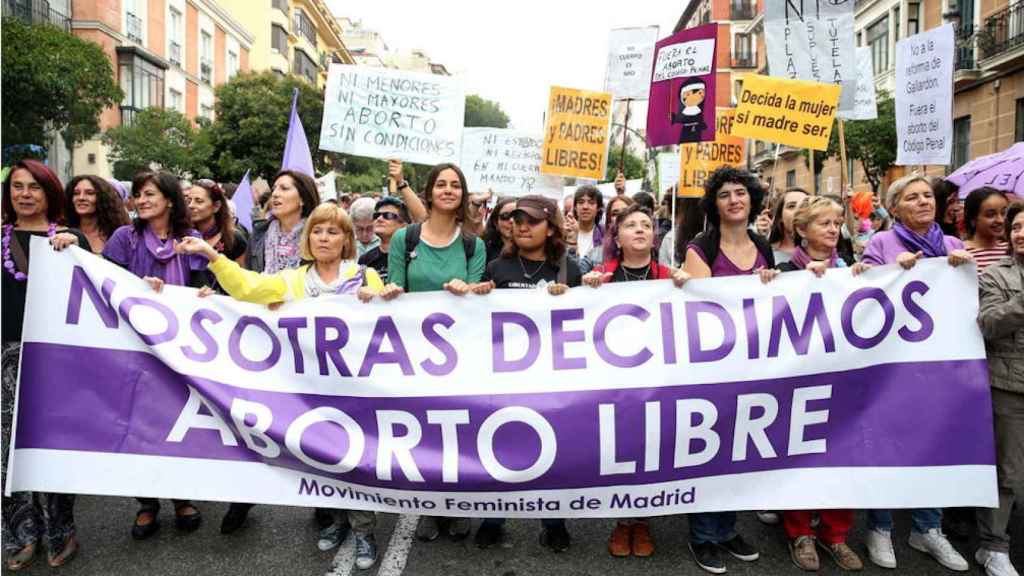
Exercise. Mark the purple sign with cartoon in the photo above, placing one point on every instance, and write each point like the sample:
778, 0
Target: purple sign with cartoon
681, 107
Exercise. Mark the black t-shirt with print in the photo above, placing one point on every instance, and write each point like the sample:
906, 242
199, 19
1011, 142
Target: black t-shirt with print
378, 260
517, 272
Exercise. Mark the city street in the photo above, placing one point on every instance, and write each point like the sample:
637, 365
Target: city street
282, 540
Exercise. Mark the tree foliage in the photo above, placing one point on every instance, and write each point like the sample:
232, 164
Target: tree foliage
871, 142
481, 112
634, 167
161, 137
53, 81
251, 125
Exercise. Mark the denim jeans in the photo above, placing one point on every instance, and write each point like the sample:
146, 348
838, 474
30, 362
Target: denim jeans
922, 519
714, 527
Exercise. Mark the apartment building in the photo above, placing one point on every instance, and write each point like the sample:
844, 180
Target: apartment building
299, 37
165, 53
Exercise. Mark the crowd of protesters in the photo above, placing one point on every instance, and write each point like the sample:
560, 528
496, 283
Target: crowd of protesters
447, 237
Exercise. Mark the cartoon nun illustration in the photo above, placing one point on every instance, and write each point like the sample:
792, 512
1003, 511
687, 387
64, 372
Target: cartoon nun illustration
691, 113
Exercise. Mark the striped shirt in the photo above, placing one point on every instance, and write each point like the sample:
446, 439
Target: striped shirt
985, 256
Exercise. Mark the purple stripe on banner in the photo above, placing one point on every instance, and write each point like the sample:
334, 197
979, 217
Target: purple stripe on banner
910, 414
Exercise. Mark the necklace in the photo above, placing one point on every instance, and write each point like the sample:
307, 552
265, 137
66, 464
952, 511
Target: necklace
630, 276
8, 231
528, 275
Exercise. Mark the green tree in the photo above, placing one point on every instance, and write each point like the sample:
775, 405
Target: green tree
161, 137
481, 112
871, 142
251, 124
52, 81
634, 167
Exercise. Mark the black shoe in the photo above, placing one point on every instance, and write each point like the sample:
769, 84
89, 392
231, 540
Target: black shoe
143, 531
556, 538
487, 535
708, 557
235, 517
739, 548
187, 522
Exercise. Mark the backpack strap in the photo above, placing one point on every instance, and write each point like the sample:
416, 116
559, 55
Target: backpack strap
412, 239
563, 269
763, 246
469, 249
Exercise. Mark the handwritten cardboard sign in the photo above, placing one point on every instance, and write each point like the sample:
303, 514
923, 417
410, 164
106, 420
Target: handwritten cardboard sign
506, 161
630, 54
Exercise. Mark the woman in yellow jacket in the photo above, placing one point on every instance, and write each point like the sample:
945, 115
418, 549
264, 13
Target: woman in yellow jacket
328, 250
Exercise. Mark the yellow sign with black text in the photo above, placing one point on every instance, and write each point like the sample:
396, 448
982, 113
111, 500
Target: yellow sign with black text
792, 112
576, 133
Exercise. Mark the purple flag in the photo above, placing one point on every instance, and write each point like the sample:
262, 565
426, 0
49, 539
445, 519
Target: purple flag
296, 148
243, 202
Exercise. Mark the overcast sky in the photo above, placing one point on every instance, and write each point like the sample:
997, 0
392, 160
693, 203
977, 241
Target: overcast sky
512, 52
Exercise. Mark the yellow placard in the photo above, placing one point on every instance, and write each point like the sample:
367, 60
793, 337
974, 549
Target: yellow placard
792, 112
697, 161
576, 133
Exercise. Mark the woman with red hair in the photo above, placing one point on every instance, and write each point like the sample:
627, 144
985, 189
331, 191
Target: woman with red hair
33, 205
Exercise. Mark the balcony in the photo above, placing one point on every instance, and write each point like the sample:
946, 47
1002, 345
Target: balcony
175, 54
133, 28
1001, 37
744, 60
742, 11
965, 69
36, 12
206, 70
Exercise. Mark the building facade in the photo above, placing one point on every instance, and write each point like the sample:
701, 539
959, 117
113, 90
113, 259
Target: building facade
988, 107
299, 37
165, 53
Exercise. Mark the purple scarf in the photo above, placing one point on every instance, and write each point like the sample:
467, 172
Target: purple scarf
163, 252
932, 244
801, 258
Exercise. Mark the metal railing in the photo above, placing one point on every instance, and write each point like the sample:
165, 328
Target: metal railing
965, 56
743, 60
1002, 31
36, 12
175, 53
205, 70
742, 10
133, 27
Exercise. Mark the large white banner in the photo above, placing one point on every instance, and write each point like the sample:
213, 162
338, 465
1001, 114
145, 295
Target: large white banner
393, 114
633, 399
506, 161
814, 41
865, 106
924, 97
668, 171
630, 55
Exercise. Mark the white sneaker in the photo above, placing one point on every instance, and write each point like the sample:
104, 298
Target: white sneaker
880, 549
995, 563
935, 544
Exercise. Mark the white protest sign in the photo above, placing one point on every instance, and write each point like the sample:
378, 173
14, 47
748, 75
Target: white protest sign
813, 40
865, 107
385, 113
924, 97
668, 171
506, 161
693, 58
327, 187
630, 53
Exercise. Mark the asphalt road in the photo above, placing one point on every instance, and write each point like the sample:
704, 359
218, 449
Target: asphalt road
282, 540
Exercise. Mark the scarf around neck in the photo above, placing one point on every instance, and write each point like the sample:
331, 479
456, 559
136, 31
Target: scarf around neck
801, 258
347, 282
163, 252
932, 244
281, 249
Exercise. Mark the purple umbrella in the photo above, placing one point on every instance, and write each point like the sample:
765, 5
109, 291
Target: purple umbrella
1002, 171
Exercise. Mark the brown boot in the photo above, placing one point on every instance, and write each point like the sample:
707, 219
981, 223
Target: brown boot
618, 543
643, 546
844, 556
803, 553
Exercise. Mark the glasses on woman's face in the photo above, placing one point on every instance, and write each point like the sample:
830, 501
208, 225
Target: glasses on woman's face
390, 216
521, 218
506, 216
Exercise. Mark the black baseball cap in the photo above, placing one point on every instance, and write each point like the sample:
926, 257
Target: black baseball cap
538, 207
